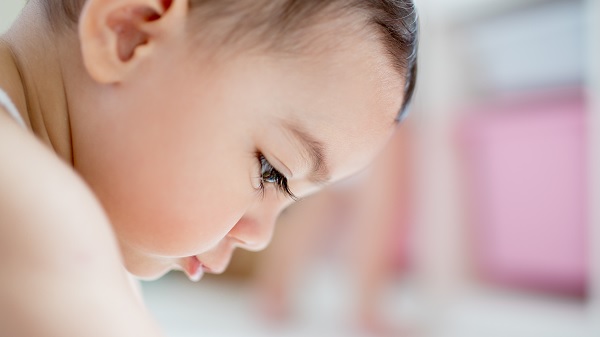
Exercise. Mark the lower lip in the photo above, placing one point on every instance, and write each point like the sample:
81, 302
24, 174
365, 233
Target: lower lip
194, 269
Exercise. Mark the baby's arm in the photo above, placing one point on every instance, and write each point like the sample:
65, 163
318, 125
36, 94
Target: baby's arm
60, 269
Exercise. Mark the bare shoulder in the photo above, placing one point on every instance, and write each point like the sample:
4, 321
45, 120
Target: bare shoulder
57, 250
44, 203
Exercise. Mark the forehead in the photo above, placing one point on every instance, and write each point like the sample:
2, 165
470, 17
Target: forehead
348, 96
340, 45
353, 66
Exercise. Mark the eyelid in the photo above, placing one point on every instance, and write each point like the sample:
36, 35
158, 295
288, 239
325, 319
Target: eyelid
277, 164
314, 151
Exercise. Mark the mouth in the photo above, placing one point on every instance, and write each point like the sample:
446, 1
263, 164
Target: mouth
194, 269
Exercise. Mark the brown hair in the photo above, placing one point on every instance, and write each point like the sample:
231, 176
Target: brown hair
394, 21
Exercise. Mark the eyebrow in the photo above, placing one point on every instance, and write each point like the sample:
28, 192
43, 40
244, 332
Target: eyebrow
315, 150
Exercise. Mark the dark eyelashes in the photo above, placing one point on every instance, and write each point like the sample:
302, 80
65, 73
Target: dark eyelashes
270, 175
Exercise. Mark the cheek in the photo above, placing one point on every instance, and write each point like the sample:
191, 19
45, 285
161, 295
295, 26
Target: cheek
172, 187
185, 211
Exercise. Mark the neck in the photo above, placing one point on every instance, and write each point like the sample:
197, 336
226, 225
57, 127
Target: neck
41, 97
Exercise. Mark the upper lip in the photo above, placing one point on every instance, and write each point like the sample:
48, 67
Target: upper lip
219, 258
204, 267
217, 268
192, 266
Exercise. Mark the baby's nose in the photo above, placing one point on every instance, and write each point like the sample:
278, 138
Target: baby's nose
255, 229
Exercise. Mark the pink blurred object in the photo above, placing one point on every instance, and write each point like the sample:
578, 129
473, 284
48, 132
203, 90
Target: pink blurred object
526, 167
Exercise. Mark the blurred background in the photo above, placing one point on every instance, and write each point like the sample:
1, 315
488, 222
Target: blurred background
487, 222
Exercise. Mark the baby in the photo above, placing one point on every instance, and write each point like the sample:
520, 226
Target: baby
140, 136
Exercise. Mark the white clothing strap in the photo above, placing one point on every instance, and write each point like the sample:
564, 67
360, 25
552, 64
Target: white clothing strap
7, 104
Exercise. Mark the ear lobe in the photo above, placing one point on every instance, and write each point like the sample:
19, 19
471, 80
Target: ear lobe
116, 35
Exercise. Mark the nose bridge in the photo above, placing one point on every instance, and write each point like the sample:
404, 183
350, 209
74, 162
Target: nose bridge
255, 229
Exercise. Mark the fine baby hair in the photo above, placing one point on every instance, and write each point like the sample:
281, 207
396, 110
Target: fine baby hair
279, 24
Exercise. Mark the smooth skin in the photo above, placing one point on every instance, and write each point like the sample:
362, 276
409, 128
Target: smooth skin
141, 152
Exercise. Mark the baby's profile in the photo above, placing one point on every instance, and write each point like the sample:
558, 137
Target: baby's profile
141, 136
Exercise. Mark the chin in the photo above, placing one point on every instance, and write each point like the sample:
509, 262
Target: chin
153, 277
148, 273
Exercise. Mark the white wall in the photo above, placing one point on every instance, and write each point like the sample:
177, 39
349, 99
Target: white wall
9, 9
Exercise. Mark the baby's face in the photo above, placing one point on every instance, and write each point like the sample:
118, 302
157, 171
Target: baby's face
178, 155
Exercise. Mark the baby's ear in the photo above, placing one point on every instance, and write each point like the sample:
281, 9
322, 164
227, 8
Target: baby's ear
116, 35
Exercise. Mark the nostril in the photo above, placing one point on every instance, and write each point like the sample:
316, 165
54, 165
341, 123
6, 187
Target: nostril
240, 242
249, 245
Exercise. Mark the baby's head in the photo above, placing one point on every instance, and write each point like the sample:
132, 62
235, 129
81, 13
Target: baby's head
196, 122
